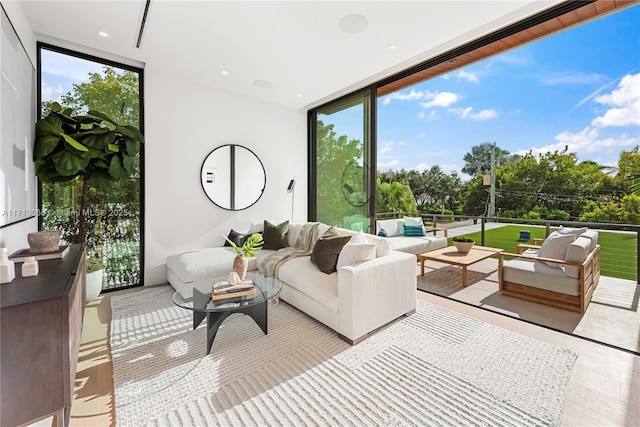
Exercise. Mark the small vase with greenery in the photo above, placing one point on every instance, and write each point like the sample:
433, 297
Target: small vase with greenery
463, 244
251, 246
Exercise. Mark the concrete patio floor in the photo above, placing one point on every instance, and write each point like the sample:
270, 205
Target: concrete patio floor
613, 317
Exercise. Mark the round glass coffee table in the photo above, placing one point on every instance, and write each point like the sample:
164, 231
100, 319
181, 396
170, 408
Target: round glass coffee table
267, 289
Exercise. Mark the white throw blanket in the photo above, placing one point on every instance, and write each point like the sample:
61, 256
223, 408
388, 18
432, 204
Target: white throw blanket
303, 246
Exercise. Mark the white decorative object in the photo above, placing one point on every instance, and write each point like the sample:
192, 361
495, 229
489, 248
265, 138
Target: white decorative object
233, 278
7, 267
30, 267
94, 285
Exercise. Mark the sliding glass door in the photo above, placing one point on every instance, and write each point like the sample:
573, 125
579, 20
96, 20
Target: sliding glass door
342, 162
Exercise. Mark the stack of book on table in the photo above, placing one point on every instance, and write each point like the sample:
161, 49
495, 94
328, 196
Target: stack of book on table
225, 290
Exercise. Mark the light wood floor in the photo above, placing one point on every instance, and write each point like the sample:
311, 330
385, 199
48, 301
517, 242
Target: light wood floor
604, 388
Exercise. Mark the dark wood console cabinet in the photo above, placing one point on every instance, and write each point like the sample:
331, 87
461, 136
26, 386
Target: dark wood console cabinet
40, 328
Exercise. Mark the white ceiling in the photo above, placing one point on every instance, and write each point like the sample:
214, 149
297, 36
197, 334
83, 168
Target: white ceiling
298, 46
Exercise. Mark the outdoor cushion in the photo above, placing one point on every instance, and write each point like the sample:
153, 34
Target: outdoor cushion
577, 252
539, 275
393, 227
416, 245
555, 247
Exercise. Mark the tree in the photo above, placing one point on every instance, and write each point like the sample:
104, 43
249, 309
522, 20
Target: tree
334, 154
112, 92
395, 197
479, 159
93, 148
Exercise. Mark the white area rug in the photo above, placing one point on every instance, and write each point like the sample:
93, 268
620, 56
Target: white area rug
435, 367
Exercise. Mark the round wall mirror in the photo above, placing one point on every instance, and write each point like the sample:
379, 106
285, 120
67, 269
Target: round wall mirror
233, 177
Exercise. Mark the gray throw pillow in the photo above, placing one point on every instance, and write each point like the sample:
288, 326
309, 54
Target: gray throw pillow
275, 236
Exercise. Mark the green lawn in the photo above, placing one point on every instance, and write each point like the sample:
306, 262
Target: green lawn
618, 251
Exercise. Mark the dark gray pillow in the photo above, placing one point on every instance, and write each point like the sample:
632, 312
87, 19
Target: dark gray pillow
237, 238
275, 236
326, 251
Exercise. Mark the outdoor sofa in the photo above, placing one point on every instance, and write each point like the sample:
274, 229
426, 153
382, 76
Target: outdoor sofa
563, 272
396, 233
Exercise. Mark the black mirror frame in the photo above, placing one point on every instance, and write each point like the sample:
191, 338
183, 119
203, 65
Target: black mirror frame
233, 166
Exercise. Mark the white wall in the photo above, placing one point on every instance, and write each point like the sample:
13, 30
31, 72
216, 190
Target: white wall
14, 237
183, 123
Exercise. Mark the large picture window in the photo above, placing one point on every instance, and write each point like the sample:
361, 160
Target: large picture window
112, 219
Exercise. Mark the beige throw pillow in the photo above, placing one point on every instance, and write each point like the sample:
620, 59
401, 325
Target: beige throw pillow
555, 247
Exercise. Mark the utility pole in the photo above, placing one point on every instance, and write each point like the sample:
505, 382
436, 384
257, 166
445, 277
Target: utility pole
492, 191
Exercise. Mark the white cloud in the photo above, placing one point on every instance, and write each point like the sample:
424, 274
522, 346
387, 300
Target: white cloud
413, 95
586, 141
384, 150
388, 165
51, 93
69, 67
421, 167
467, 113
470, 77
440, 99
570, 78
625, 100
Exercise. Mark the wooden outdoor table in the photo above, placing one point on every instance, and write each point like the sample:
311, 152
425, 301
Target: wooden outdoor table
450, 255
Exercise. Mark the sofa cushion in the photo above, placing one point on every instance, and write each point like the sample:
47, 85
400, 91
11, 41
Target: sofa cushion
577, 252
237, 238
539, 275
413, 230
327, 249
413, 221
555, 247
204, 263
300, 274
382, 243
593, 235
355, 253
416, 245
275, 235
383, 233
567, 230
393, 227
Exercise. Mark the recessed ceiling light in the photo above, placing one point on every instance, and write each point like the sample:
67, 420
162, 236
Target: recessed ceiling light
104, 34
224, 72
299, 95
392, 47
353, 24
262, 84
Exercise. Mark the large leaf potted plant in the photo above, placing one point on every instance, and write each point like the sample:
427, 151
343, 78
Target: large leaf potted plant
92, 147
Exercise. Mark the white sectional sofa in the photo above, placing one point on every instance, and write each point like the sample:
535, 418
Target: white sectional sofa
399, 241
354, 301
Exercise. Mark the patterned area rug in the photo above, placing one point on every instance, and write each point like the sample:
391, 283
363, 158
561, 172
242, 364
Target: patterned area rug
435, 367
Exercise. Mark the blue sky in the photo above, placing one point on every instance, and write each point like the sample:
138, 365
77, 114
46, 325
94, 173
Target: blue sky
579, 88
